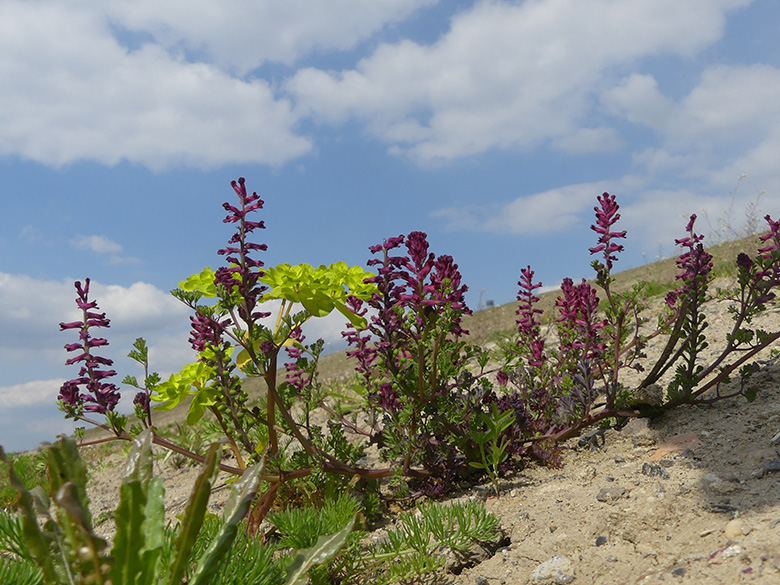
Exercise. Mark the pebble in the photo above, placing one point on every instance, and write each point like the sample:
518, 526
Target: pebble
716, 485
733, 528
679, 572
610, 494
654, 470
601, 540
731, 551
558, 569
771, 466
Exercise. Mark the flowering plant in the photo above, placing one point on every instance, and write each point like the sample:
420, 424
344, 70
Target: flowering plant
437, 407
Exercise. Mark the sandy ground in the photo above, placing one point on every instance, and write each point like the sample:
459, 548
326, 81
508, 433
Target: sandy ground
693, 497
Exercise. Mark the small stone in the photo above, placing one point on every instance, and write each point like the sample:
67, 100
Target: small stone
771, 466
610, 494
558, 569
715, 484
653, 470
652, 395
619, 459
592, 439
731, 551
679, 572
480, 580
734, 529
601, 540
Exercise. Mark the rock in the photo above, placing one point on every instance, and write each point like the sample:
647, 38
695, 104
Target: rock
610, 494
771, 466
679, 572
731, 551
734, 529
601, 540
652, 395
592, 439
654, 470
637, 427
715, 484
558, 570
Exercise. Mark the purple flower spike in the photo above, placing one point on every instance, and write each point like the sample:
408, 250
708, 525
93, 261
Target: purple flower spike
527, 324
606, 217
695, 263
245, 271
100, 396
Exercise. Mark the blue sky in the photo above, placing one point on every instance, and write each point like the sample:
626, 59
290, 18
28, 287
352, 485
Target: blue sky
492, 126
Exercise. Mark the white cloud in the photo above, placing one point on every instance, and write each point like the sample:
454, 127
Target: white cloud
33, 308
504, 75
141, 304
244, 34
541, 213
729, 100
29, 393
589, 140
70, 92
728, 124
98, 244
639, 100
103, 245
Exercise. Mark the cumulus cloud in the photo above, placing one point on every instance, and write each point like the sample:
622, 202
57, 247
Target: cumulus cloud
33, 308
104, 246
245, 34
29, 393
589, 140
97, 244
71, 92
504, 75
551, 211
638, 99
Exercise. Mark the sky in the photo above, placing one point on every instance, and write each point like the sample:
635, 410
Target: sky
490, 125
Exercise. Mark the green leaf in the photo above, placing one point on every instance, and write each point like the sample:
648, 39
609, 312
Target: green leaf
326, 548
38, 544
129, 541
241, 495
139, 460
139, 517
193, 516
